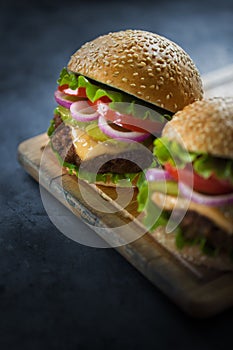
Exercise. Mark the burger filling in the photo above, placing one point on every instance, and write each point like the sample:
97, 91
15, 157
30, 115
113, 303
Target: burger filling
102, 128
211, 175
208, 216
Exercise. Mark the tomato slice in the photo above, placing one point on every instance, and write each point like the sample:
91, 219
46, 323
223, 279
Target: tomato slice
63, 87
104, 99
79, 92
129, 122
212, 185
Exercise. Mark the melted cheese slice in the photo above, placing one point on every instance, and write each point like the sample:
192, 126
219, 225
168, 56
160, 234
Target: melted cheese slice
223, 216
87, 148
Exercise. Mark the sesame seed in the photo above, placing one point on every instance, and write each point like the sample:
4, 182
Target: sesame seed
141, 64
160, 61
139, 93
134, 49
124, 80
142, 86
132, 84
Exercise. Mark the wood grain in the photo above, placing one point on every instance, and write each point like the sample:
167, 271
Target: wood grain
199, 292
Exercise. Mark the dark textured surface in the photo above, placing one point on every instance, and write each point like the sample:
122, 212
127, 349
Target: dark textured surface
54, 293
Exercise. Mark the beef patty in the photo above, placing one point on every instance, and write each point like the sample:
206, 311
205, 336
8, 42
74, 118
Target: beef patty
62, 143
195, 225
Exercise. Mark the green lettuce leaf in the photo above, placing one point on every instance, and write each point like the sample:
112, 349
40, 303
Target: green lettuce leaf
93, 91
51, 128
151, 211
124, 180
153, 217
205, 165
202, 242
167, 151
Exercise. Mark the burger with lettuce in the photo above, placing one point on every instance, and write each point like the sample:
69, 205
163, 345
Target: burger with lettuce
194, 183
115, 96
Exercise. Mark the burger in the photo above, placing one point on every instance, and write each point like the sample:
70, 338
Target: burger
194, 185
114, 98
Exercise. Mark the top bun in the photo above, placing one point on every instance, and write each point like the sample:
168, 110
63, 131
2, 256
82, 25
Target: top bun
204, 126
142, 64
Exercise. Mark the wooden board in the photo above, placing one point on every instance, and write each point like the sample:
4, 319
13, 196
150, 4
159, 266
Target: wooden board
199, 292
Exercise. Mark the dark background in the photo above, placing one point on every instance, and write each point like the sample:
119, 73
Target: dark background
55, 293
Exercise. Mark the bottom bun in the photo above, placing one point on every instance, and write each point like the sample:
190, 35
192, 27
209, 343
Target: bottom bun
193, 254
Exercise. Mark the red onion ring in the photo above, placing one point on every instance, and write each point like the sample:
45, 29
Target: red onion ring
158, 175
62, 100
116, 134
83, 112
212, 201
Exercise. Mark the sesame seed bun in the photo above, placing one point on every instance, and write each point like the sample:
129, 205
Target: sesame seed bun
204, 126
142, 64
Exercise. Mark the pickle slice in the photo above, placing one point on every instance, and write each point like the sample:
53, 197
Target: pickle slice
94, 131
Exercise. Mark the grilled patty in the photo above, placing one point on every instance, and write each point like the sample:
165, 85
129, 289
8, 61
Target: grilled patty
63, 144
195, 225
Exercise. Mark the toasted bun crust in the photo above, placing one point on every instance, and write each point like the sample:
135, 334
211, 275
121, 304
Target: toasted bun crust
143, 64
204, 126
222, 262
